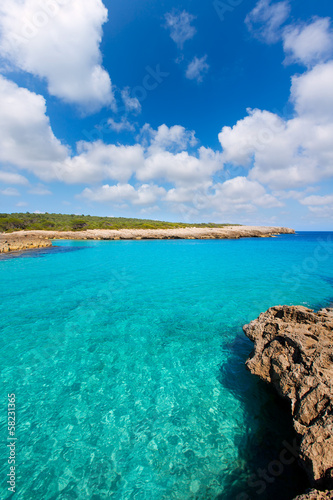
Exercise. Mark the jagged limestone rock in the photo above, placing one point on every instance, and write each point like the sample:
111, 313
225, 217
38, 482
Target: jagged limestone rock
293, 351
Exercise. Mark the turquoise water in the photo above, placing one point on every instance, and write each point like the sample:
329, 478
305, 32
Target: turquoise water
127, 361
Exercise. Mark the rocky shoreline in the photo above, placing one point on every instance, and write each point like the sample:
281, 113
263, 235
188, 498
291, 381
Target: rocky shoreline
293, 351
21, 240
13, 243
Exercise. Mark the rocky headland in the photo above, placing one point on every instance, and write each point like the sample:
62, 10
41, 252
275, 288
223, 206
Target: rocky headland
293, 351
25, 239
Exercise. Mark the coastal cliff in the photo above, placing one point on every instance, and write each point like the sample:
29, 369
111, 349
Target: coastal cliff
293, 351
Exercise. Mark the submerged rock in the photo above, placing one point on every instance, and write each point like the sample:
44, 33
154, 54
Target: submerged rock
293, 350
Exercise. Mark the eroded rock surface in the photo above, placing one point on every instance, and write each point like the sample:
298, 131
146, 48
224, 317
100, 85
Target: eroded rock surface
192, 233
13, 243
316, 495
293, 350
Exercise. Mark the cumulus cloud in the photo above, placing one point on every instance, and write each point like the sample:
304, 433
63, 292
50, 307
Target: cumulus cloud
317, 200
10, 192
242, 195
122, 126
146, 194
288, 153
134, 173
266, 19
132, 104
12, 178
238, 195
181, 168
26, 137
309, 44
234, 196
312, 93
59, 41
304, 43
319, 206
27, 141
249, 136
179, 25
197, 69
97, 161
175, 138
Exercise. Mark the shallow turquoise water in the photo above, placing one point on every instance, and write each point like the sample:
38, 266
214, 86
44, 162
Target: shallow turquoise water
127, 361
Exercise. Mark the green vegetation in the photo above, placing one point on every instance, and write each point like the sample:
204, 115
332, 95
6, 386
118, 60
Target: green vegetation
61, 222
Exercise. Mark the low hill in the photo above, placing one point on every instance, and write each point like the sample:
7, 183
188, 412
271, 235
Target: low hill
62, 222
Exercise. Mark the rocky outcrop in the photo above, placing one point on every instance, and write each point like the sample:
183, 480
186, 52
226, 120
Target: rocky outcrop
13, 243
316, 495
191, 233
293, 351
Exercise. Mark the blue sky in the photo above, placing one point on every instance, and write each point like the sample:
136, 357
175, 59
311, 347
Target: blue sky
218, 111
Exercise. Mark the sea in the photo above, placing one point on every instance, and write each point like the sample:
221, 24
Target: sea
126, 360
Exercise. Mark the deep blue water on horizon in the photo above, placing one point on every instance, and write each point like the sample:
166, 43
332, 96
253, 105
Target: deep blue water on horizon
127, 362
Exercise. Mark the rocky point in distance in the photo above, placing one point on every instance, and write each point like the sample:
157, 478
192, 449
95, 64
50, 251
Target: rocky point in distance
21, 240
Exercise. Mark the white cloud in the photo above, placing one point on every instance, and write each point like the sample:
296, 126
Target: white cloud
235, 196
122, 126
286, 154
319, 206
27, 141
146, 194
182, 168
10, 192
325, 212
312, 93
240, 193
132, 104
59, 41
266, 19
11, 178
304, 43
309, 44
317, 200
197, 69
180, 195
26, 137
295, 195
179, 25
98, 161
159, 159
175, 138
250, 135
